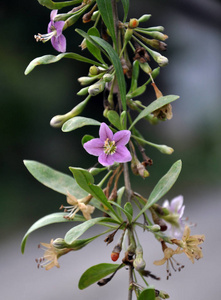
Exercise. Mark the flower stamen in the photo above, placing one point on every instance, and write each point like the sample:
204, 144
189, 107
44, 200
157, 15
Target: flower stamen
109, 147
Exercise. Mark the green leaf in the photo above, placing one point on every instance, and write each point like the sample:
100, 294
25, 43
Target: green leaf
53, 179
47, 220
127, 214
58, 5
86, 138
95, 51
86, 182
106, 11
114, 118
148, 293
49, 59
126, 8
117, 67
78, 122
129, 209
75, 232
163, 186
95, 273
154, 106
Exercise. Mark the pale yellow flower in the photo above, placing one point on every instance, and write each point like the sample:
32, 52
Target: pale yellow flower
51, 255
78, 205
169, 259
189, 244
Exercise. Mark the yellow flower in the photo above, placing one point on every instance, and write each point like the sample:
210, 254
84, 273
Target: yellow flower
190, 243
51, 255
169, 259
78, 204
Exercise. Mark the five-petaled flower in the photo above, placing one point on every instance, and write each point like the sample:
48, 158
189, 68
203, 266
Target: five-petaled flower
189, 244
78, 204
51, 255
54, 34
110, 148
169, 259
174, 220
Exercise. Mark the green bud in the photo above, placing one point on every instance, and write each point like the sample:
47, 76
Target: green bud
160, 59
93, 70
83, 91
139, 263
163, 295
128, 34
146, 68
59, 243
154, 228
84, 80
165, 149
95, 15
96, 88
157, 35
59, 120
144, 18
108, 77
96, 171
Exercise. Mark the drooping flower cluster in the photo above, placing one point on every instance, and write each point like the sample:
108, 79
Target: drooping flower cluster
110, 148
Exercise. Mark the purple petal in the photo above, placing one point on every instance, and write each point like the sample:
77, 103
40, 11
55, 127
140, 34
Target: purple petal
94, 147
53, 14
59, 43
176, 203
50, 26
59, 27
105, 132
122, 154
106, 160
122, 137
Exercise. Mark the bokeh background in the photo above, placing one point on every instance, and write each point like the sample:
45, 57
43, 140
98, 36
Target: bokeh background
29, 102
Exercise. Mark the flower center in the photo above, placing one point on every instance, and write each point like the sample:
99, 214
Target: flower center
109, 147
45, 37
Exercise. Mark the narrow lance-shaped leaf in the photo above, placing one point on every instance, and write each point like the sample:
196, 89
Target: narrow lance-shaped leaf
154, 106
162, 187
58, 5
95, 51
47, 220
126, 8
106, 11
117, 67
114, 119
78, 122
54, 180
75, 232
49, 59
95, 273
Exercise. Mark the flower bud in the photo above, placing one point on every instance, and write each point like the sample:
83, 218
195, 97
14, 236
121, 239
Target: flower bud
128, 34
59, 243
96, 88
154, 228
157, 35
95, 15
160, 59
144, 18
59, 120
83, 91
165, 149
133, 23
108, 77
163, 295
93, 70
146, 68
139, 263
84, 80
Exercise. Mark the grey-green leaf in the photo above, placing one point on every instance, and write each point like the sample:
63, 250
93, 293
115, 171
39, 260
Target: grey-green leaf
148, 293
163, 186
49, 59
47, 220
95, 51
154, 106
58, 5
117, 67
75, 232
78, 122
114, 118
106, 11
53, 179
95, 273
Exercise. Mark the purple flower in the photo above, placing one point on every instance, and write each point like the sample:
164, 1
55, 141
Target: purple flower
109, 148
54, 34
175, 222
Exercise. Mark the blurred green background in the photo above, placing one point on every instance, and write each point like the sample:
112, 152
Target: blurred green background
29, 102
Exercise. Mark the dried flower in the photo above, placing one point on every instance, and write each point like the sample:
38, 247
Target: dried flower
109, 148
51, 255
54, 34
78, 204
168, 259
190, 243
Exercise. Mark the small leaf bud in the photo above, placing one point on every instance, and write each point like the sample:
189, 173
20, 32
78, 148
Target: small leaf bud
144, 18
